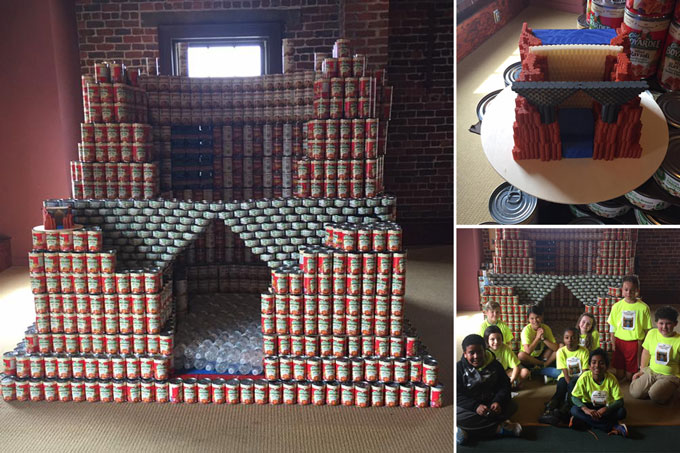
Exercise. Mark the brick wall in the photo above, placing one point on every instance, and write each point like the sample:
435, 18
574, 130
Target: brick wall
658, 265
479, 27
413, 39
419, 163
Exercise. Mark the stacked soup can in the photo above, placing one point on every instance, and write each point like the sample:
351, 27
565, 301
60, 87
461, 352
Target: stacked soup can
115, 155
615, 257
647, 23
346, 140
333, 327
668, 73
98, 331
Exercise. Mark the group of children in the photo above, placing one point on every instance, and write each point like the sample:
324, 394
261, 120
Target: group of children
586, 394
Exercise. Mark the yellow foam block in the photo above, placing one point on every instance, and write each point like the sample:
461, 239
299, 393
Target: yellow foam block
576, 62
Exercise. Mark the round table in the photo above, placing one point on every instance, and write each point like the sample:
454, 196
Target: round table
572, 181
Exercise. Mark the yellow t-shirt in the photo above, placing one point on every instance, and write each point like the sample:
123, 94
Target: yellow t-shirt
575, 361
588, 391
528, 335
630, 321
505, 330
506, 357
664, 352
595, 340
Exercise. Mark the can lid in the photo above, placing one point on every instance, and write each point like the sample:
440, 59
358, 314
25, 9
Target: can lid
484, 102
508, 205
671, 163
670, 106
512, 72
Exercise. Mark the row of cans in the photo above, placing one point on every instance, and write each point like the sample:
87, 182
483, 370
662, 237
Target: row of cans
373, 236
67, 240
343, 66
355, 369
327, 260
354, 188
116, 173
293, 281
84, 190
329, 324
231, 101
107, 282
68, 264
139, 304
221, 391
88, 366
340, 345
267, 82
118, 112
614, 292
72, 262
85, 343
168, 116
344, 87
342, 150
311, 305
110, 152
106, 323
112, 93
508, 303
340, 170
495, 290
343, 130
113, 72
129, 133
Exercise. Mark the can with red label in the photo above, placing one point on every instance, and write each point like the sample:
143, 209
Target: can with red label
247, 391
647, 36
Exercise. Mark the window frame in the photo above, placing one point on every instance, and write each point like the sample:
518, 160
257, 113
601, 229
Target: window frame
269, 32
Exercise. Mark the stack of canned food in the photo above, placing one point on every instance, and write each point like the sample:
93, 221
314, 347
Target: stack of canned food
115, 161
346, 142
115, 156
221, 391
113, 94
342, 159
272, 98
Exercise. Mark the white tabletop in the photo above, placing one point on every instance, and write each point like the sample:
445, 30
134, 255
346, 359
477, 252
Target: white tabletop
573, 181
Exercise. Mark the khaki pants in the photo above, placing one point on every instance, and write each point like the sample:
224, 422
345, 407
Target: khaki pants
658, 387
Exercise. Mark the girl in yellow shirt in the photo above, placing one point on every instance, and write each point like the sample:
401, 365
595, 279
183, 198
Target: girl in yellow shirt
493, 337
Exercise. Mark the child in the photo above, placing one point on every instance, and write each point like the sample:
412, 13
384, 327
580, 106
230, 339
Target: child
492, 311
589, 337
597, 398
629, 320
660, 362
493, 337
539, 347
483, 402
572, 359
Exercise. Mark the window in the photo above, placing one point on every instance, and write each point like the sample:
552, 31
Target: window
225, 59
220, 50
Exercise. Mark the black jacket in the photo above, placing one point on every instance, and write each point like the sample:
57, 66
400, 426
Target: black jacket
485, 386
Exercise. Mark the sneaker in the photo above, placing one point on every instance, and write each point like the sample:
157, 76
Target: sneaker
461, 436
548, 380
509, 428
549, 418
619, 430
513, 394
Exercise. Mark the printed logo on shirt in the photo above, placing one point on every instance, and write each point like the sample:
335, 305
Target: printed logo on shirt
582, 341
574, 366
599, 397
628, 320
662, 353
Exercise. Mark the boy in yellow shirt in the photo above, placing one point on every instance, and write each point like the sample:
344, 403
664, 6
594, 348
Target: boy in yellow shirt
572, 360
630, 320
492, 312
539, 347
660, 362
597, 398
493, 337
